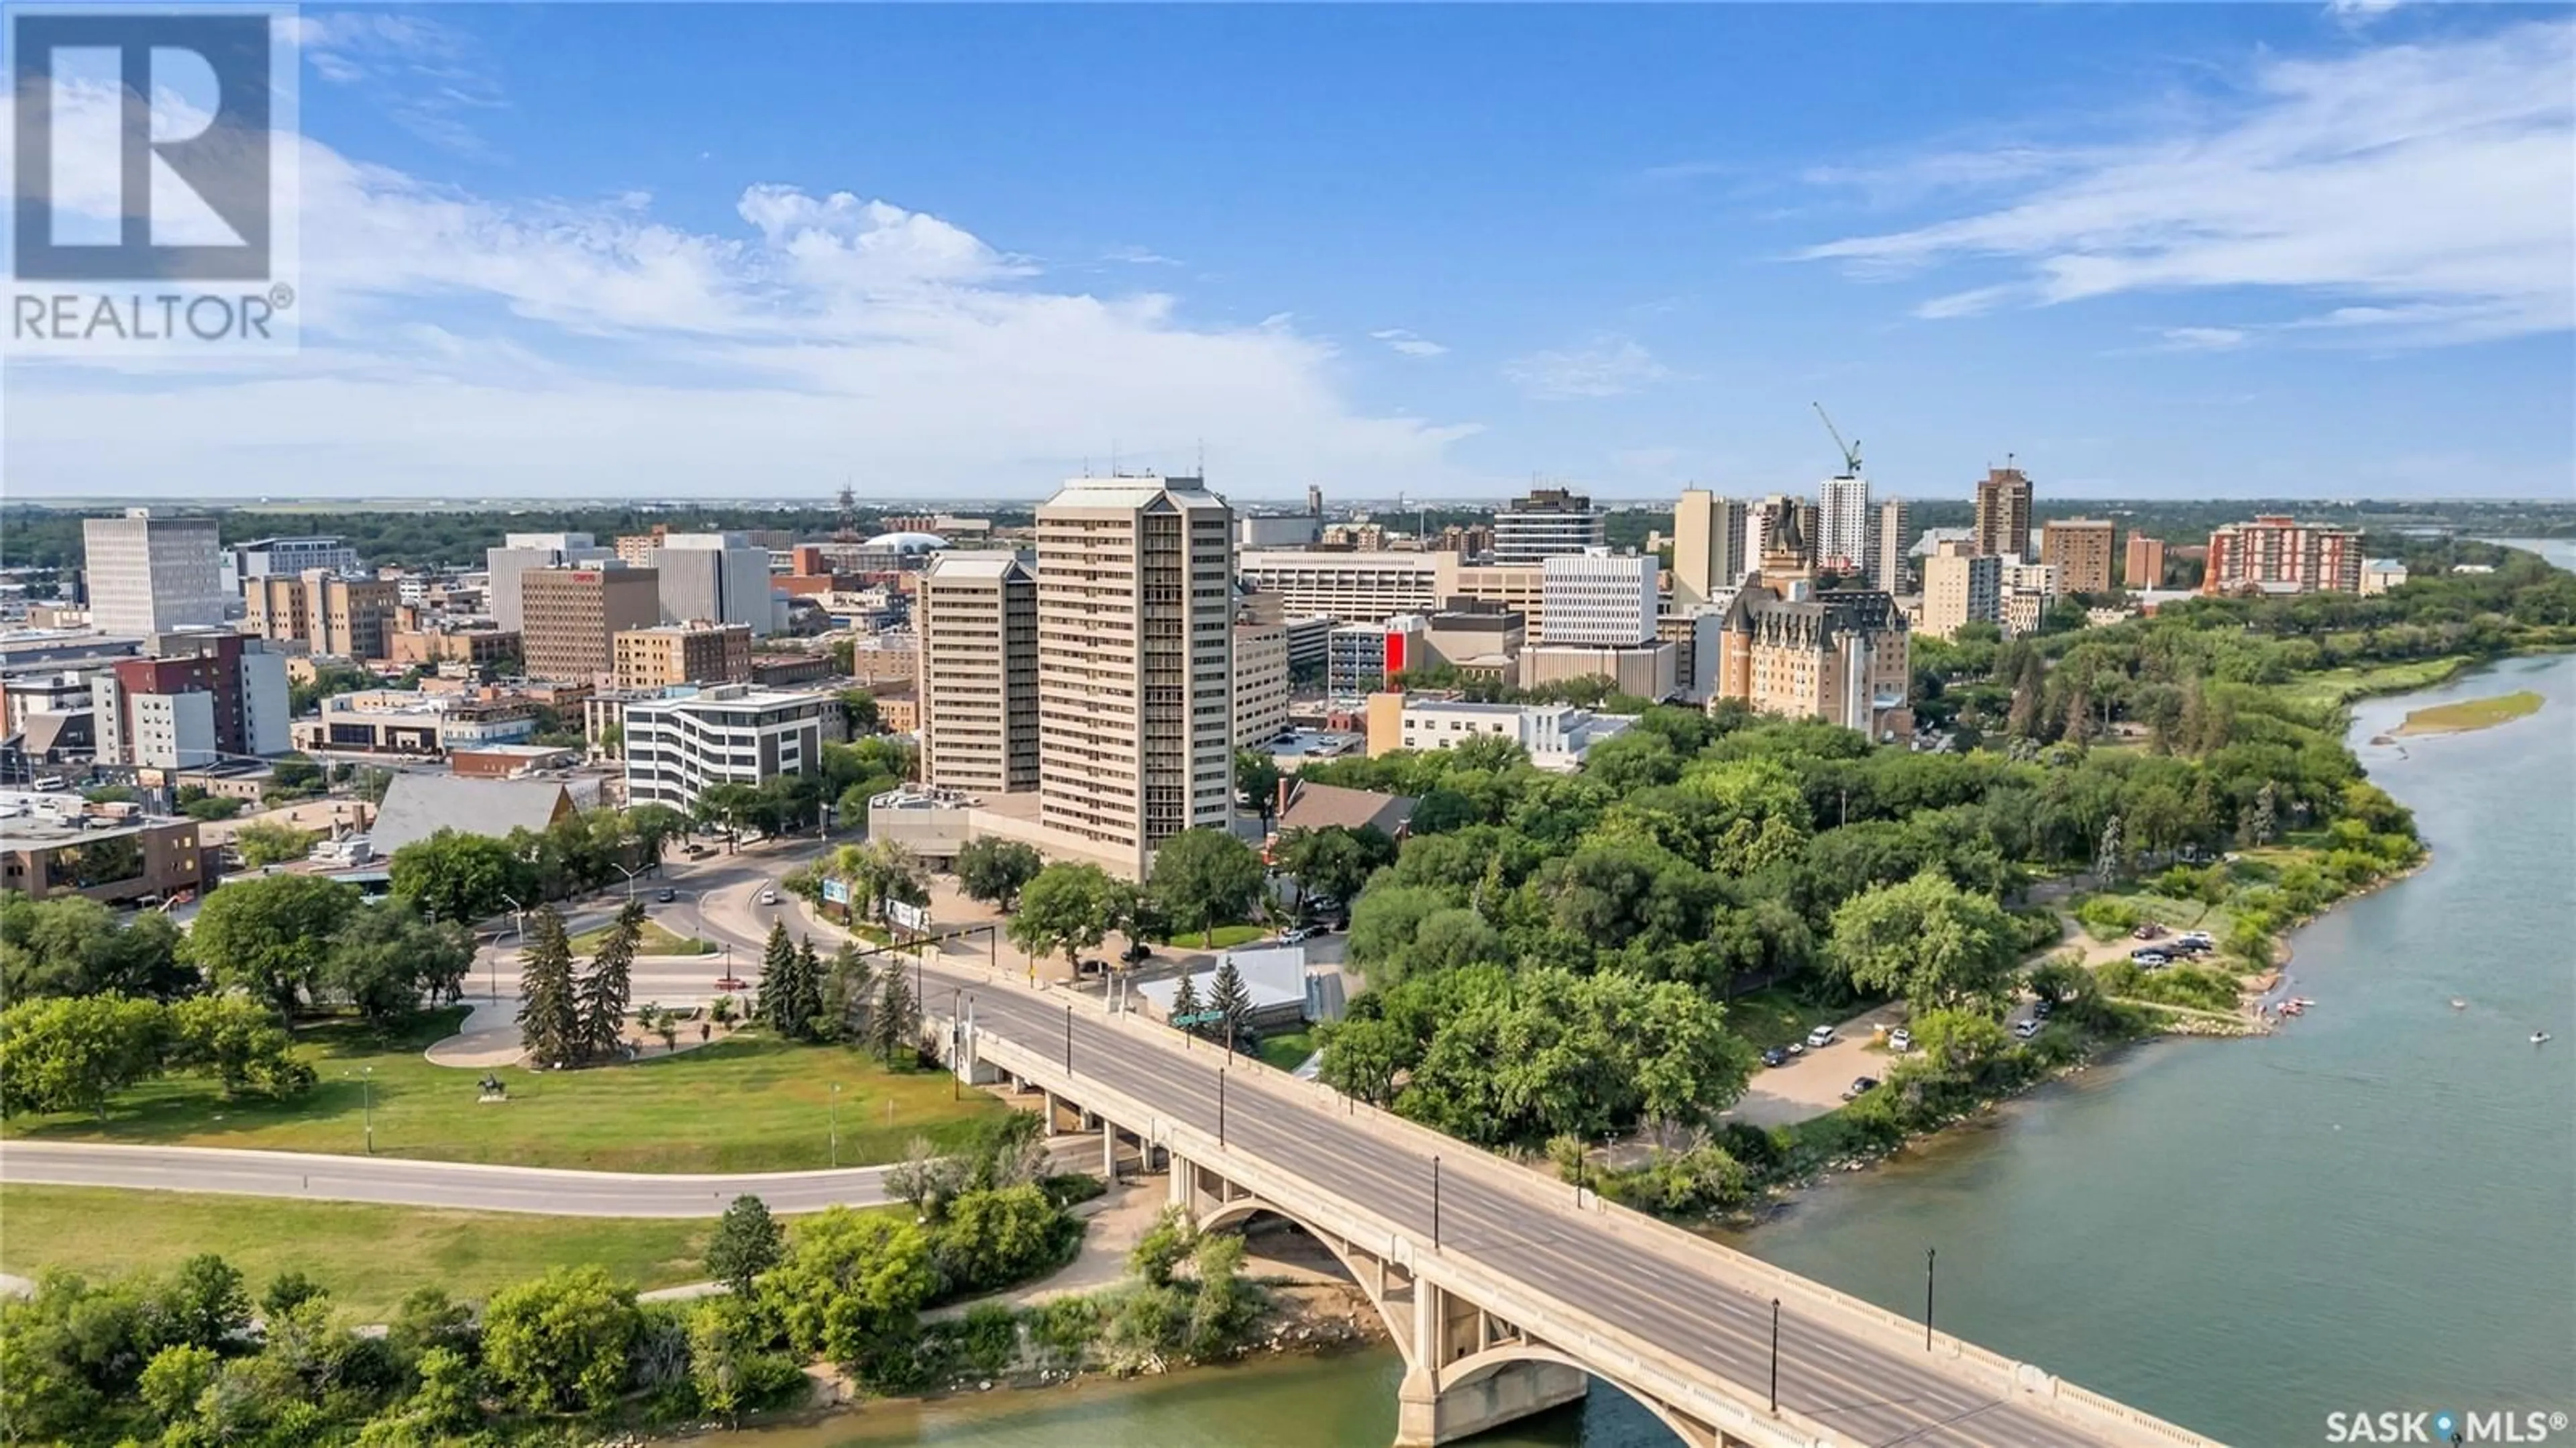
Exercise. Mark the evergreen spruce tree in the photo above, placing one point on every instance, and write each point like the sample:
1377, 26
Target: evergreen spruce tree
846, 993
892, 1027
807, 1004
549, 1017
1232, 1002
609, 985
1185, 1006
777, 966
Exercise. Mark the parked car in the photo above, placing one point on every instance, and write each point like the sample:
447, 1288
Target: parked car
1900, 1039
1298, 936
2152, 960
666, 894
2148, 931
1821, 1036
2042, 1008
1320, 927
1136, 950
1859, 1084
1776, 1056
2142, 952
2026, 1029
1796, 1048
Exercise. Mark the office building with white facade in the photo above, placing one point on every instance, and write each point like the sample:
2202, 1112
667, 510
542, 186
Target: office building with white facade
1842, 524
1545, 523
1708, 547
1887, 546
715, 578
269, 557
1351, 587
148, 572
520, 552
679, 746
1557, 736
1596, 599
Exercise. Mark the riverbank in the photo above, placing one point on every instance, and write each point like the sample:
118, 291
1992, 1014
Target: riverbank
2464, 716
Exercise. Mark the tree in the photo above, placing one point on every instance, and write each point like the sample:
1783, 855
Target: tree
233, 1036
204, 1302
1205, 876
270, 935
549, 1011
1185, 1005
1256, 783
1334, 861
388, 957
559, 1343
1959, 1042
609, 984
774, 1005
851, 1290
287, 1291
461, 877
654, 827
175, 1378
1066, 908
1363, 1056
896, 1020
1231, 1001
847, 993
994, 870
731, 1363
1928, 940
73, 945
746, 1243
262, 843
860, 708
74, 1054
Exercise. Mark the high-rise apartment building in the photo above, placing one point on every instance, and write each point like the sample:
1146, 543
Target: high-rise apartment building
2003, 513
1961, 585
1708, 547
1592, 598
1842, 525
1887, 546
1135, 585
2081, 549
2275, 553
1547, 522
2144, 565
520, 552
148, 573
572, 616
715, 577
977, 618
682, 653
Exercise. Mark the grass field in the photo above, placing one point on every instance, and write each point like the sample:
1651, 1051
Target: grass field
2327, 688
1225, 937
1774, 1016
368, 1256
1289, 1050
750, 1103
654, 941
2471, 714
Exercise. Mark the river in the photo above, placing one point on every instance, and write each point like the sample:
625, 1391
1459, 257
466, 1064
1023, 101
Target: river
2373, 1210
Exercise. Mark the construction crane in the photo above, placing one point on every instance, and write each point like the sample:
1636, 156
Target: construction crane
1850, 450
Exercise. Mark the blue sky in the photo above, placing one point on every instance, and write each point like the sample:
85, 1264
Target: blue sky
956, 252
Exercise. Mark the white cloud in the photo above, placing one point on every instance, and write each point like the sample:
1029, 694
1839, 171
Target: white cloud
1609, 366
1139, 256
469, 346
428, 76
2428, 181
2203, 339
1411, 344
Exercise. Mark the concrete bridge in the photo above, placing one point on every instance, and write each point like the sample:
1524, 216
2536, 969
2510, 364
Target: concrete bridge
1505, 1289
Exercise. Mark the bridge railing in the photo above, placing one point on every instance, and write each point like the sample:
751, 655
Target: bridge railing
1990, 1371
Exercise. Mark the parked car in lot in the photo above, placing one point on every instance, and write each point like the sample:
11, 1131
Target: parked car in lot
2149, 931
1900, 1040
2152, 959
1796, 1048
2026, 1029
1821, 1036
1298, 936
2042, 1008
666, 894
1859, 1084
2142, 952
1776, 1056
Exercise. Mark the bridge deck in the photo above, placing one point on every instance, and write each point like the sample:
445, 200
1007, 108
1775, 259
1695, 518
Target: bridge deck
1843, 1365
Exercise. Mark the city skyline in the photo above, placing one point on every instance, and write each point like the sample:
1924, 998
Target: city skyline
2195, 252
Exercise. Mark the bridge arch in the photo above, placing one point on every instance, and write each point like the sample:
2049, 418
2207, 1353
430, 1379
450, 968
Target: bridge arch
1465, 1371
1363, 1271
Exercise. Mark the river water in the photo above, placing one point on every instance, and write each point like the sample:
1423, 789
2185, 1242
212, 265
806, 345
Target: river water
2373, 1210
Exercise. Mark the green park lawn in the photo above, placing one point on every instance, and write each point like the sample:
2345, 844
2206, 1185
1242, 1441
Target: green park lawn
2327, 688
1289, 1050
654, 941
750, 1103
367, 1256
2470, 714
1775, 1016
1225, 937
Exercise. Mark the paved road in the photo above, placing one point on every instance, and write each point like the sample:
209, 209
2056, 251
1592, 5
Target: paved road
400, 1182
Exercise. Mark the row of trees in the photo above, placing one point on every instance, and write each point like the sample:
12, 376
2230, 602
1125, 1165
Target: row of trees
75, 1053
569, 1019
1201, 879
461, 876
853, 998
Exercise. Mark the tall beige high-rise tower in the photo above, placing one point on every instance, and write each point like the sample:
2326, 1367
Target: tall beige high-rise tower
1708, 547
2003, 513
1135, 578
977, 617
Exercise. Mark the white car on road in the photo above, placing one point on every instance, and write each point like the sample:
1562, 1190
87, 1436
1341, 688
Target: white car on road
1821, 1036
768, 894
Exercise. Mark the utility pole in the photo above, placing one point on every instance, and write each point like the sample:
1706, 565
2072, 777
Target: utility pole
1220, 1108
1928, 1254
1435, 1204
836, 1126
1068, 1038
368, 1085
1775, 1356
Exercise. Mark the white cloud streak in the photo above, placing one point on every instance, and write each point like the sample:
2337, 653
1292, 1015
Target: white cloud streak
1411, 344
1608, 366
2425, 184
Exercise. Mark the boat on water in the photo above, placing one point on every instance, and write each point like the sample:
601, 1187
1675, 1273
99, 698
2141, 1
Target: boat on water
2540, 1038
